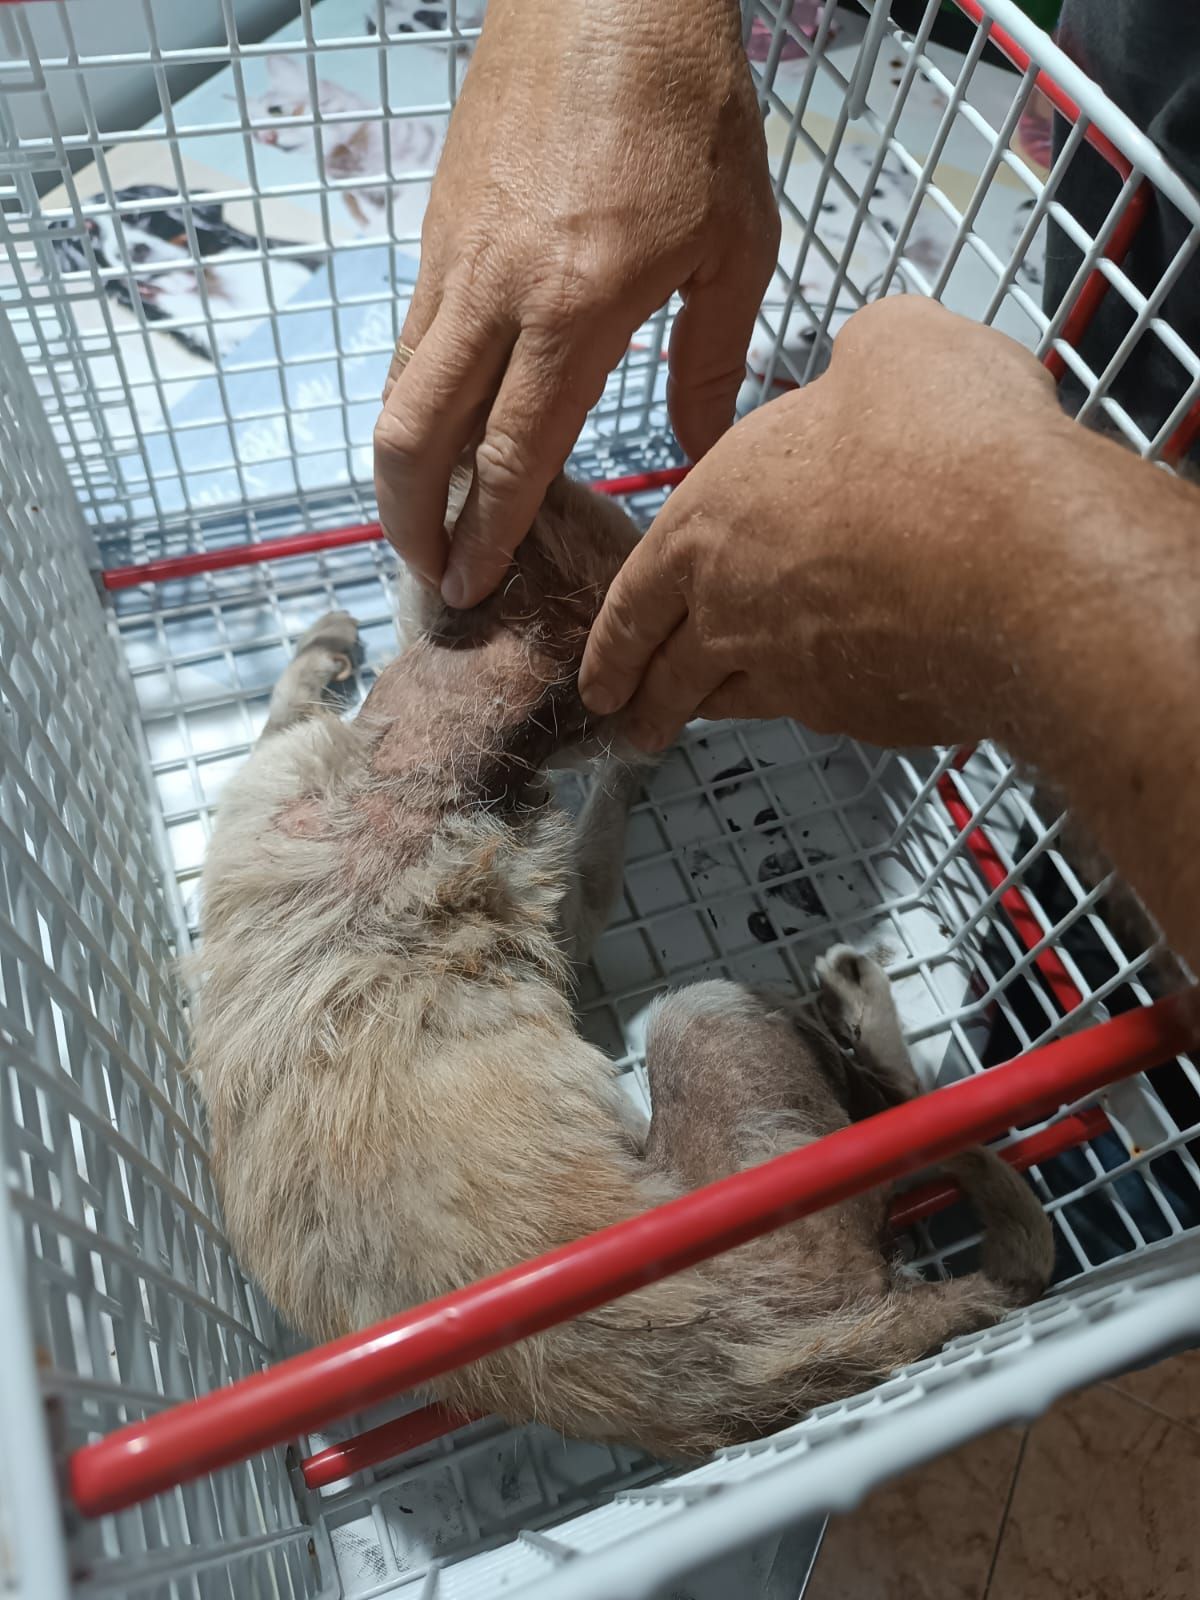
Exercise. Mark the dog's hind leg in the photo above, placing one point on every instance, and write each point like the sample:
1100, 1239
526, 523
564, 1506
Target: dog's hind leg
599, 857
733, 1081
856, 1001
325, 655
1018, 1245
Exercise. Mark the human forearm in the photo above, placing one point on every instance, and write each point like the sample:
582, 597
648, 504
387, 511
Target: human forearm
919, 548
1098, 623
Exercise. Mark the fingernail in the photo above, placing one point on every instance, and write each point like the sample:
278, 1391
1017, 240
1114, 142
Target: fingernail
598, 697
454, 590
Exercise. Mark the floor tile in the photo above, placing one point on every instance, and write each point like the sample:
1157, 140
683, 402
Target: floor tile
1104, 1507
1172, 1387
930, 1535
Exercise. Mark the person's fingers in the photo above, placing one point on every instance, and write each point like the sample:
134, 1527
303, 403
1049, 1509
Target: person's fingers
426, 299
533, 425
728, 699
644, 606
679, 677
422, 308
431, 415
707, 356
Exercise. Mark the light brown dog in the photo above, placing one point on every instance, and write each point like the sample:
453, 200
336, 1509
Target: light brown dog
400, 1101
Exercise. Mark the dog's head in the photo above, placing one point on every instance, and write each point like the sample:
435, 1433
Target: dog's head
561, 572
523, 646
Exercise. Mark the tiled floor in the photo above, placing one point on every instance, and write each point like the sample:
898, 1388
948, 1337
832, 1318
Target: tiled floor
1096, 1501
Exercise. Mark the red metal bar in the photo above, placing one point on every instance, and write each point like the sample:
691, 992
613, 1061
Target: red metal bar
1096, 287
307, 544
1087, 303
639, 482
1184, 437
239, 555
1057, 96
993, 871
390, 1439
396, 1438
362, 1369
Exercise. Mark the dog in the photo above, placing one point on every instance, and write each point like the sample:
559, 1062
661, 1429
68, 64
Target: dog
400, 1102
147, 257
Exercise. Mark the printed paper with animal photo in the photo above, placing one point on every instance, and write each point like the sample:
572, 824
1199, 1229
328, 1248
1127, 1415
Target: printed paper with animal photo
856, 251
208, 239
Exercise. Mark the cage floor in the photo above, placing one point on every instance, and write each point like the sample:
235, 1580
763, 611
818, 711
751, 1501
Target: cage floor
753, 848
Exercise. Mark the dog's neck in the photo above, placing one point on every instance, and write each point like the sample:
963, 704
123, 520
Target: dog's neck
472, 723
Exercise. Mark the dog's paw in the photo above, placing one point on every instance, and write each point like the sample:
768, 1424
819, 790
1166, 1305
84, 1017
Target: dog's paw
854, 994
335, 636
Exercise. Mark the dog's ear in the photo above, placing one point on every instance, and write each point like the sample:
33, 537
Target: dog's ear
208, 220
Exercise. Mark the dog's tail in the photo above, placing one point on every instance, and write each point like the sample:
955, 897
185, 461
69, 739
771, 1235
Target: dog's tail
1018, 1241
913, 1318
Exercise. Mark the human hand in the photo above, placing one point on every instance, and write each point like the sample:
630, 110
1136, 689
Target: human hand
851, 554
603, 154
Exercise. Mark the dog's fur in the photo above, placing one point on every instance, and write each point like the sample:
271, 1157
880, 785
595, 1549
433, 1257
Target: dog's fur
400, 1102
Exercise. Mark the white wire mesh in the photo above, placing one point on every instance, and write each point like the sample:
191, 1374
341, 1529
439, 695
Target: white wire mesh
238, 403
206, 300
132, 1293
946, 184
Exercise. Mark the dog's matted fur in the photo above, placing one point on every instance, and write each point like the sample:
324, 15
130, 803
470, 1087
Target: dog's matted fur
400, 1101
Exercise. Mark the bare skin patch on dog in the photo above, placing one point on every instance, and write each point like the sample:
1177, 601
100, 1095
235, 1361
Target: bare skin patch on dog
304, 819
469, 723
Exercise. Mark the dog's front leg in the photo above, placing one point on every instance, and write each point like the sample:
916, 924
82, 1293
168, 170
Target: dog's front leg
599, 857
325, 655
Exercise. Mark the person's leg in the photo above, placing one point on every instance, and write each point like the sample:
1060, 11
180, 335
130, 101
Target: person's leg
1145, 55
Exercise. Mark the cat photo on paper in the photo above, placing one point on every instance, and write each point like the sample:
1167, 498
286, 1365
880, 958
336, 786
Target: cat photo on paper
282, 118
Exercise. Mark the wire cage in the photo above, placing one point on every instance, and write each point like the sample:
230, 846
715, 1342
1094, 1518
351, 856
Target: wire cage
209, 228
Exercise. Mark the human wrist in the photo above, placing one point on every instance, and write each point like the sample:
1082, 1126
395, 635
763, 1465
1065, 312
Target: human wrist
1113, 676
1098, 604
978, 504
